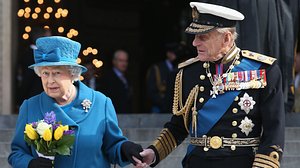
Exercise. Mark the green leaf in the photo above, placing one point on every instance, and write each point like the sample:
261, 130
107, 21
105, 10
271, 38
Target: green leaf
53, 145
63, 150
67, 140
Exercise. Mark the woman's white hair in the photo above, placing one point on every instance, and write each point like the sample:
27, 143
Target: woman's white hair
74, 71
232, 30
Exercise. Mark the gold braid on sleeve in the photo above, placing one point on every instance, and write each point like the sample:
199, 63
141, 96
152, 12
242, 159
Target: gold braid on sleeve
165, 143
177, 100
265, 161
269, 161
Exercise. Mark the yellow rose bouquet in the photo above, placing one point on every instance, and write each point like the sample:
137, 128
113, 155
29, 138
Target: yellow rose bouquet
49, 137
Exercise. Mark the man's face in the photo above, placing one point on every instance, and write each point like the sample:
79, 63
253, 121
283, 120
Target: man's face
209, 45
121, 61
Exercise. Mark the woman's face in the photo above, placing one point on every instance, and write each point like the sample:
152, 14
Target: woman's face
57, 82
209, 45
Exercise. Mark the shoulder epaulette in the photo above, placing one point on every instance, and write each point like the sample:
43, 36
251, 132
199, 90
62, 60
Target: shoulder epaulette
258, 57
188, 62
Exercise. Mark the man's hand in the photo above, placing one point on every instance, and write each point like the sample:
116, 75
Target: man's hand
148, 156
130, 150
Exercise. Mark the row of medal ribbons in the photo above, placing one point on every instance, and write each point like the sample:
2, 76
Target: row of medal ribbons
253, 79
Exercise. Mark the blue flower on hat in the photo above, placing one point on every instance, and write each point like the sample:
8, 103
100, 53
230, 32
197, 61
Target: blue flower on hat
56, 51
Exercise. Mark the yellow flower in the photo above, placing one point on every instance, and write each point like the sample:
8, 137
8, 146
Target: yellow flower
65, 128
47, 136
58, 133
30, 132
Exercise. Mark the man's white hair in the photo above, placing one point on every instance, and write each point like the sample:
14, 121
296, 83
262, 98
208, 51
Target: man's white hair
74, 71
228, 29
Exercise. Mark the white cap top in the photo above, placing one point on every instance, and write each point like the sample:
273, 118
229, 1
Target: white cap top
217, 10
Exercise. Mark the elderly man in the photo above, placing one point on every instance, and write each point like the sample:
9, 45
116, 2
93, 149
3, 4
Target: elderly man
228, 100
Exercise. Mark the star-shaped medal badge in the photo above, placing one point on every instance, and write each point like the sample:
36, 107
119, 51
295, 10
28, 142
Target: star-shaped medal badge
246, 103
86, 103
246, 125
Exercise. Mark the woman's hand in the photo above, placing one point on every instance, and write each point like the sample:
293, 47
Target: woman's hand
40, 163
130, 149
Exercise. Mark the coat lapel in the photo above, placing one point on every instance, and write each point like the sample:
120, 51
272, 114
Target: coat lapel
48, 104
84, 93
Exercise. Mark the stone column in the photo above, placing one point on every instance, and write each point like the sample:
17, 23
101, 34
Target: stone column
5, 57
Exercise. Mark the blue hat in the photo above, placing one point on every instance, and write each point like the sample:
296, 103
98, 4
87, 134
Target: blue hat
207, 17
56, 51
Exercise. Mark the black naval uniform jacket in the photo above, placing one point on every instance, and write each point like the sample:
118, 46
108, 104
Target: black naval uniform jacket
267, 116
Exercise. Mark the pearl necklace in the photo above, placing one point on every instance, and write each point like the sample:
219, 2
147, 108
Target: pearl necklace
217, 81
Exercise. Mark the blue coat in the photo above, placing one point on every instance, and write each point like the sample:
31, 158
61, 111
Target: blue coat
98, 138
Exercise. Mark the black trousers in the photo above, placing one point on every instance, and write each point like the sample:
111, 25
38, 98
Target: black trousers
194, 161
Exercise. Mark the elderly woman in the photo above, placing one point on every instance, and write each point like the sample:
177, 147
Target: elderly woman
98, 139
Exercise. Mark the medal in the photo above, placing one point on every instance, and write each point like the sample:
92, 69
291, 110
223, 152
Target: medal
218, 81
246, 103
218, 87
246, 125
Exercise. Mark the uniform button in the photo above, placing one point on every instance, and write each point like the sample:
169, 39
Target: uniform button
201, 88
209, 75
237, 62
232, 147
236, 98
234, 123
202, 77
234, 110
205, 149
201, 100
234, 135
274, 155
205, 65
